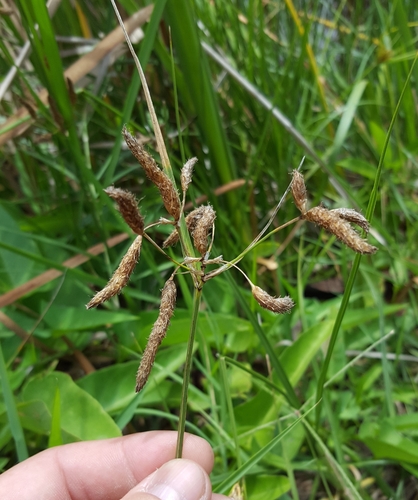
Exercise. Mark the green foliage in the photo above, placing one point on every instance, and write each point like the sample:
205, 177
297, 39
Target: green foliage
333, 90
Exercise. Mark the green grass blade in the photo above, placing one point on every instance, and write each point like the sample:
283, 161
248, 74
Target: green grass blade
11, 410
249, 464
347, 117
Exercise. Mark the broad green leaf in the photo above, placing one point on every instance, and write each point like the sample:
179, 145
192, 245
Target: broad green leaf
263, 487
236, 333
55, 436
35, 416
239, 381
82, 417
69, 319
348, 116
256, 411
408, 421
386, 442
114, 386
15, 269
296, 358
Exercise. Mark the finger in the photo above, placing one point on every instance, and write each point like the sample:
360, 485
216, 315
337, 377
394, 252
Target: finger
98, 470
175, 480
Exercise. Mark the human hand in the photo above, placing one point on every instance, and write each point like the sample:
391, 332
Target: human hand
134, 467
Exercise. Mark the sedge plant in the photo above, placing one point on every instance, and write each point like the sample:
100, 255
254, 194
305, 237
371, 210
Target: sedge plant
195, 231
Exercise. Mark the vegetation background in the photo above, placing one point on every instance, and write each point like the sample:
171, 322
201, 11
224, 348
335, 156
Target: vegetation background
273, 81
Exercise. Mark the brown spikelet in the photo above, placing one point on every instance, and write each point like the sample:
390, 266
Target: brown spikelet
121, 276
333, 222
167, 190
186, 173
128, 207
191, 221
201, 231
353, 216
159, 330
299, 191
280, 305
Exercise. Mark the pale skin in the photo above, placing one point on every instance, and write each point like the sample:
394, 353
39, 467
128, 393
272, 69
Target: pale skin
135, 467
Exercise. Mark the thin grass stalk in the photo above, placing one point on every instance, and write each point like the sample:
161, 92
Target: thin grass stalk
187, 370
11, 410
356, 263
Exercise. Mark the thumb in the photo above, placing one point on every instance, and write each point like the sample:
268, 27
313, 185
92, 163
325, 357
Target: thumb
178, 479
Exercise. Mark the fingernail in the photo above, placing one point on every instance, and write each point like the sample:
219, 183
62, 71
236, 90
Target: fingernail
178, 480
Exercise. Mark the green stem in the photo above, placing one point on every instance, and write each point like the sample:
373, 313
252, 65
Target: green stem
187, 370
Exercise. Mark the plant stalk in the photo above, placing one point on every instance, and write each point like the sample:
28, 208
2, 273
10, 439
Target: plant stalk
187, 370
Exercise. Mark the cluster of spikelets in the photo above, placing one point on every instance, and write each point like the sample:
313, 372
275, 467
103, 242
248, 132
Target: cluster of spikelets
200, 224
335, 221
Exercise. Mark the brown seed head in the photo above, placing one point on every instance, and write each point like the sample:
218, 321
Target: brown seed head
201, 231
121, 276
353, 216
159, 330
186, 173
167, 190
128, 207
191, 221
278, 305
299, 191
332, 221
